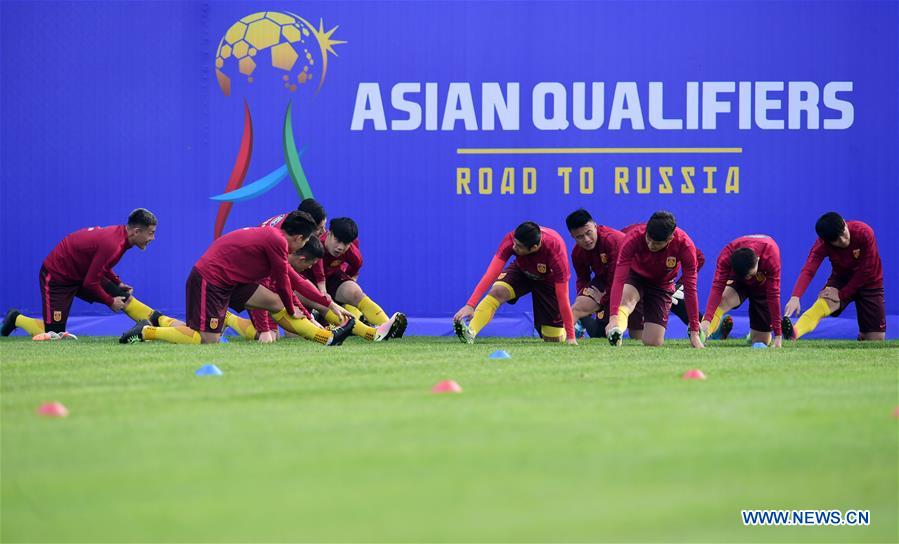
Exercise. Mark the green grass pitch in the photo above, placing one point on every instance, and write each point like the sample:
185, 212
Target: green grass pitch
297, 442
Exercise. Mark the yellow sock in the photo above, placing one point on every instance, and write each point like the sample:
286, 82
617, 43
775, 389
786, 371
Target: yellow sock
303, 327
552, 334
623, 314
372, 312
172, 335
810, 319
359, 329
483, 314
241, 326
137, 310
716, 321
32, 326
353, 310
166, 321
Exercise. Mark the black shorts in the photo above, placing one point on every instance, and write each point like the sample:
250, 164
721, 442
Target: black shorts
543, 295
57, 297
208, 303
654, 305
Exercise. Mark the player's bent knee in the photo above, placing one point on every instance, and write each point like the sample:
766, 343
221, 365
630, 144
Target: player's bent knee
210, 337
502, 292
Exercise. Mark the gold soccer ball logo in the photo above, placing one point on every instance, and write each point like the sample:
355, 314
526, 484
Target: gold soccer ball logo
285, 41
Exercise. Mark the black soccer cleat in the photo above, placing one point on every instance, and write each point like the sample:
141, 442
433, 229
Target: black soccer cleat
399, 326
9, 322
786, 326
154, 318
615, 337
341, 333
135, 333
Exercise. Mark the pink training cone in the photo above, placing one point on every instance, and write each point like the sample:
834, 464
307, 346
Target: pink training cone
53, 409
694, 374
446, 386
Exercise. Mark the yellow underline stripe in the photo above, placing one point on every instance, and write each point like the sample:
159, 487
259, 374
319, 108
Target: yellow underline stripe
591, 150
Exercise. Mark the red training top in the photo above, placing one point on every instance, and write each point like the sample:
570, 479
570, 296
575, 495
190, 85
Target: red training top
600, 261
549, 263
658, 268
87, 256
767, 276
249, 255
857, 266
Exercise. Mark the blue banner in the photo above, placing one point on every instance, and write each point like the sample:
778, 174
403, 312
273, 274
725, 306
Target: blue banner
440, 126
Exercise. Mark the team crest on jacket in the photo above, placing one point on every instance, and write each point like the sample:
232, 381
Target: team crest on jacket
604, 258
335, 264
671, 262
57, 315
541, 268
856, 253
213, 323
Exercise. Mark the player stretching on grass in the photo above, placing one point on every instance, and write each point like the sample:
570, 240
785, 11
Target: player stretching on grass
857, 276
593, 256
81, 266
540, 268
229, 274
648, 261
748, 267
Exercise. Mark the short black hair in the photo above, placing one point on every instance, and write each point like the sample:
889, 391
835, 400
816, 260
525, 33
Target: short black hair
661, 225
830, 226
742, 260
313, 208
528, 234
312, 250
298, 223
141, 217
344, 229
577, 219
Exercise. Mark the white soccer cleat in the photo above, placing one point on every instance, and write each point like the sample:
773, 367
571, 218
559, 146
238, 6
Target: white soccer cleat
382, 331
65, 335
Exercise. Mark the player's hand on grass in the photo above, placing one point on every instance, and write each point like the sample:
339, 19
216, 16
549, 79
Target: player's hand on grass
778, 342
268, 337
465, 312
793, 307
118, 304
695, 341
572, 341
704, 326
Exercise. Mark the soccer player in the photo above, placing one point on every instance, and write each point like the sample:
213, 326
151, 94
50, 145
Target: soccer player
229, 274
748, 267
540, 268
857, 276
81, 266
648, 261
340, 267
307, 296
336, 276
593, 256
